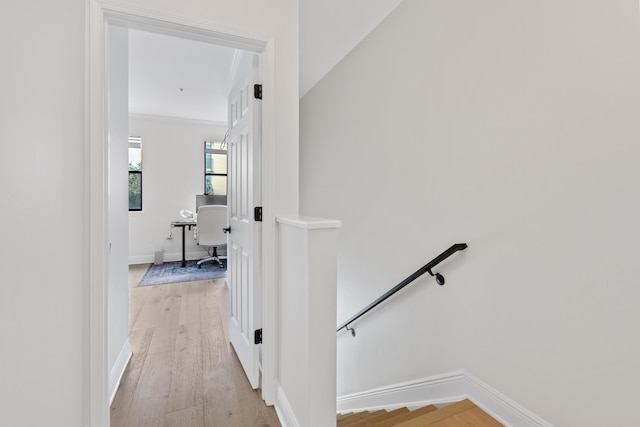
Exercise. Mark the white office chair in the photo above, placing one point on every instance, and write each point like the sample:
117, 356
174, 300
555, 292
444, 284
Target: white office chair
210, 222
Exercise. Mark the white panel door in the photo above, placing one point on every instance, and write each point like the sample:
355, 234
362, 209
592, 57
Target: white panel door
244, 258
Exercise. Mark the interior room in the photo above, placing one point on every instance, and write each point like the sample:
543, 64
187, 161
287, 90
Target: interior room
508, 126
178, 92
168, 118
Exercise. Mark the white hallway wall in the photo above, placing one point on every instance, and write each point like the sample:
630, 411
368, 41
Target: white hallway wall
44, 302
172, 175
42, 182
512, 126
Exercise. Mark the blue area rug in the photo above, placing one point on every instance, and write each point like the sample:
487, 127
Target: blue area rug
173, 272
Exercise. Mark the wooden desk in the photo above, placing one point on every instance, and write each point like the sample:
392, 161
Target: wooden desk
183, 224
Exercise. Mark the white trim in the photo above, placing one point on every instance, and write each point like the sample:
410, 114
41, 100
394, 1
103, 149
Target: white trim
180, 120
308, 223
118, 369
283, 409
439, 389
96, 411
141, 18
167, 257
233, 68
142, 259
270, 308
500, 406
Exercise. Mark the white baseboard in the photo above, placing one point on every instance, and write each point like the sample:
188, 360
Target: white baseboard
445, 388
284, 410
500, 406
141, 259
118, 369
168, 257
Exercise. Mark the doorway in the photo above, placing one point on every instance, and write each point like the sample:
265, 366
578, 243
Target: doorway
98, 161
182, 93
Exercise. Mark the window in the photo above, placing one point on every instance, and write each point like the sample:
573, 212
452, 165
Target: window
215, 168
135, 173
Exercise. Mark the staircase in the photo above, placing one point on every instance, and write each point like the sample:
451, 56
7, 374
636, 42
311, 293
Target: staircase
460, 414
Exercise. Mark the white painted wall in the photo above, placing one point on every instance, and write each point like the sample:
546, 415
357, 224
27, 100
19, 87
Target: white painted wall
44, 301
512, 126
172, 175
118, 293
42, 185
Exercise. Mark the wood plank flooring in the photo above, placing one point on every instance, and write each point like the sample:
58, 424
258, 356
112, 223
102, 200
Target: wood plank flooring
184, 372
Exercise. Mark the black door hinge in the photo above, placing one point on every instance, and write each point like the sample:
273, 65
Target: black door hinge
257, 213
257, 91
257, 336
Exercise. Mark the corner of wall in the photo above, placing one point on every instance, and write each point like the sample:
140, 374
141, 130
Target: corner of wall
438, 389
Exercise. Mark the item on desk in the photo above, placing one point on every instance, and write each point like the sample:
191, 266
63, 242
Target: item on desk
188, 215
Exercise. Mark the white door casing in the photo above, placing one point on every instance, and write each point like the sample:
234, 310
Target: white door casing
100, 12
244, 244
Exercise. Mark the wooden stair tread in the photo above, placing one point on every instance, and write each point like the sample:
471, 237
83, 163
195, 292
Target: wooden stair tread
474, 417
436, 416
381, 415
395, 419
460, 414
358, 417
345, 417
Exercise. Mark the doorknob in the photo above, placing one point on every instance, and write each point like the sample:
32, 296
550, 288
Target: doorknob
227, 229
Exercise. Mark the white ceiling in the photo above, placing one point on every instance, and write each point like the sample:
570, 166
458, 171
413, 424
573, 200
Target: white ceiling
329, 29
161, 65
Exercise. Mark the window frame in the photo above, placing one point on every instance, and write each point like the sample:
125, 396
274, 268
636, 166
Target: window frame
207, 174
135, 142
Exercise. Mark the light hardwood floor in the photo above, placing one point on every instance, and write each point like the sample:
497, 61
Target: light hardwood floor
184, 372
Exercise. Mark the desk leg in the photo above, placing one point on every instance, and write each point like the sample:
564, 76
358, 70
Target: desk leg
184, 260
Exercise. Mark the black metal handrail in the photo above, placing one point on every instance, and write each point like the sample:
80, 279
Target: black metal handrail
425, 269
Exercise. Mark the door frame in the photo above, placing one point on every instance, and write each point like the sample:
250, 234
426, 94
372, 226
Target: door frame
99, 13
